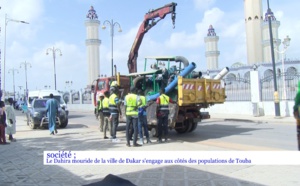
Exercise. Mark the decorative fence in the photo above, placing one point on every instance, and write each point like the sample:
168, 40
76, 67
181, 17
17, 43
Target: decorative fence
238, 89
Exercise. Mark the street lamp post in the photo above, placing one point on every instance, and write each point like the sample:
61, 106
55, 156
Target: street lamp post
25, 67
112, 24
54, 50
20, 92
4, 55
286, 44
13, 70
276, 98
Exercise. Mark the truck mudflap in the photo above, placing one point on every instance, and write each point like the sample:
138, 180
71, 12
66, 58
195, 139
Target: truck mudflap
152, 118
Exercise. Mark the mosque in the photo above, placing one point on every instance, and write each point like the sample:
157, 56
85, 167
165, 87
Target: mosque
259, 56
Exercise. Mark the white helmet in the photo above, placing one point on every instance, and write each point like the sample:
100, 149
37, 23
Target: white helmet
114, 84
101, 94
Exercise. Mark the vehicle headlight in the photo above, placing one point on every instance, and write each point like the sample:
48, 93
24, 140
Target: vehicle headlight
36, 114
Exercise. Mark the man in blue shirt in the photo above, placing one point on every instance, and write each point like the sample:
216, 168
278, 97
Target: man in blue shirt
52, 110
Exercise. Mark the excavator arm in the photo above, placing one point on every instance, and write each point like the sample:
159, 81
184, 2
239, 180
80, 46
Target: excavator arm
151, 19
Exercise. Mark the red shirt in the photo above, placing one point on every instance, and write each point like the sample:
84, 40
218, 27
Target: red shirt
158, 100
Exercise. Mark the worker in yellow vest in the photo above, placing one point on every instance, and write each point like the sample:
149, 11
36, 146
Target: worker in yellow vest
106, 115
142, 118
131, 111
162, 115
100, 110
114, 109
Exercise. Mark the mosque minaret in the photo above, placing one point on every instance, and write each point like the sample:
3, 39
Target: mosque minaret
254, 21
211, 49
92, 43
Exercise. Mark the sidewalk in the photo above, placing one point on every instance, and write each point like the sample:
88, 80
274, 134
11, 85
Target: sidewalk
22, 162
260, 119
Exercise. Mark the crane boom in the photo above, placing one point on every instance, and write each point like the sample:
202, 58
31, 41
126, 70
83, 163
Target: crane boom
147, 24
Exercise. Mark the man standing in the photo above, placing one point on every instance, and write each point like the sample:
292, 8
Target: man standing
10, 120
142, 117
297, 114
52, 110
163, 114
114, 109
100, 110
106, 115
2, 123
131, 111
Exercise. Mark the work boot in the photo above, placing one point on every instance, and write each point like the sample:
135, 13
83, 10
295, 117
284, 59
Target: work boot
148, 140
141, 141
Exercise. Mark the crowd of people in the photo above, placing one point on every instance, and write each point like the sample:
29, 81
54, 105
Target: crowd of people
108, 109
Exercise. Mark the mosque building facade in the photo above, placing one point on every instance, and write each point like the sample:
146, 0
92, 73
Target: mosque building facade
258, 57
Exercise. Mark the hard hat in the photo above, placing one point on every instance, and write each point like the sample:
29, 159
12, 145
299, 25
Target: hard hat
114, 83
101, 94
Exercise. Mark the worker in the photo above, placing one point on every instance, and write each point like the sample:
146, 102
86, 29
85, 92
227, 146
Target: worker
131, 111
100, 110
114, 109
114, 84
106, 114
142, 117
297, 114
163, 114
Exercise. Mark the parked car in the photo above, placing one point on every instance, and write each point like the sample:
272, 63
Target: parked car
37, 115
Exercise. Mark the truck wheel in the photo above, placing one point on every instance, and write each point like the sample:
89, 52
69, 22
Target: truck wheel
31, 123
194, 126
182, 129
189, 124
63, 125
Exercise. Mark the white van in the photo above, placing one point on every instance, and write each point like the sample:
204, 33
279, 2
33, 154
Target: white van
46, 94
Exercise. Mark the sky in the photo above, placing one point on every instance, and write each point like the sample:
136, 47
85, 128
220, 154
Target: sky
60, 24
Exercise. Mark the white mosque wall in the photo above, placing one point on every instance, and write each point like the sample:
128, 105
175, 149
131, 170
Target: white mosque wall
266, 108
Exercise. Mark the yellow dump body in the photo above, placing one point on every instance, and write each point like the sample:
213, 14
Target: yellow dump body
196, 91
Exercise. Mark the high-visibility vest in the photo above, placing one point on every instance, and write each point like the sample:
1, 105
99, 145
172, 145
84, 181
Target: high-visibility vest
131, 106
164, 102
142, 101
105, 103
112, 104
100, 104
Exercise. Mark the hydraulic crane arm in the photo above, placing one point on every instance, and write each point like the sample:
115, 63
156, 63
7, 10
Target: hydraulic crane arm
148, 23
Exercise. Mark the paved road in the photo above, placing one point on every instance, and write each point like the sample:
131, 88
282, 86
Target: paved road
22, 161
234, 134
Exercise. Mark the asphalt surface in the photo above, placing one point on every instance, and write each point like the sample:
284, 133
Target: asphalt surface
22, 161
